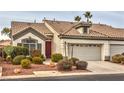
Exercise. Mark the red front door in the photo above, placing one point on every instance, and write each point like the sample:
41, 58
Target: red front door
48, 49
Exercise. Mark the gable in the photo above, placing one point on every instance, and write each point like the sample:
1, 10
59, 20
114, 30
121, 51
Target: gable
20, 26
29, 30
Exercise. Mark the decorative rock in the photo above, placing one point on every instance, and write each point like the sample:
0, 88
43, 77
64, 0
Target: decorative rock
52, 64
17, 71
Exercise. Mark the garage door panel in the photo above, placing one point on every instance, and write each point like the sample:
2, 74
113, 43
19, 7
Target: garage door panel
116, 49
87, 53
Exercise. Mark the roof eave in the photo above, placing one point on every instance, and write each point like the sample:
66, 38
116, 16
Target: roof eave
90, 37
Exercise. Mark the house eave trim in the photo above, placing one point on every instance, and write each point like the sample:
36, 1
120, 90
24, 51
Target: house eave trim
90, 37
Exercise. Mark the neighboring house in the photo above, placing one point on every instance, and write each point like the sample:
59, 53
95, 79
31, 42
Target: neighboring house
4, 43
72, 39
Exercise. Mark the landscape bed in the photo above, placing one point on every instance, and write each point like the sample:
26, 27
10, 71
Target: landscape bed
8, 69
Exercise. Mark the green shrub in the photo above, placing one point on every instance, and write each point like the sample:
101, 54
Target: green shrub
15, 50
8, 50
64, 65
117, 58
81, 65
1, 52
29, 58
122, 59
19, 50
25, 51
36, 53
37, 60
74, 60
56, 57
122, 54
17, 59
9, 59
25, 63
42, 56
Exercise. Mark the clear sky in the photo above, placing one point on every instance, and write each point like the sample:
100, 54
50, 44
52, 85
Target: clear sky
113, 18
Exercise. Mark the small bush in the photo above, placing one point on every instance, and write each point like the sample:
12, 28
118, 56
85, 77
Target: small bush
9, 59
42, 56
19, 50
36, 53
65, 58
1, 52
122, 54
25, 63
81, 65
56, 57
64, 65
117, 58
8, 50
122, 59
29, 58
15, 50
74, 60
37, 60
17, 59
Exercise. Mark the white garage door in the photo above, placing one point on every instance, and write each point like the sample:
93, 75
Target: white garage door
116, 49
87, 52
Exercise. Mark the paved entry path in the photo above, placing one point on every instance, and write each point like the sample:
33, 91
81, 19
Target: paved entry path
104, 67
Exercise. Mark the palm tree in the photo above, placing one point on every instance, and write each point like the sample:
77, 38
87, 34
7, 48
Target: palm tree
77, 18
6, 31
88, 16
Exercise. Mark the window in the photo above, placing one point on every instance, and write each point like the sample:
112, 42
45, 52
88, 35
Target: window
26, 45
29, 40
19, 44
85, 30
31, 44
39, 47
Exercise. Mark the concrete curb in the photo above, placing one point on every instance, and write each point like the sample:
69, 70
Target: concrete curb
57, 75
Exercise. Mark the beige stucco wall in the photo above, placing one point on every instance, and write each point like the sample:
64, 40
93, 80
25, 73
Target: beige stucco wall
32, 36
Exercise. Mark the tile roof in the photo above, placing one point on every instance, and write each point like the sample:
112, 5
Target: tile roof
20, 26
108, 30
5, 42
99, 30
60, 26
68, 28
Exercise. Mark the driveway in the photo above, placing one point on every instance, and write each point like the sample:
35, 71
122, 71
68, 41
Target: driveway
105, 67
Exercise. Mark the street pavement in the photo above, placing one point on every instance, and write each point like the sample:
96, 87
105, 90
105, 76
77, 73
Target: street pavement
103, 77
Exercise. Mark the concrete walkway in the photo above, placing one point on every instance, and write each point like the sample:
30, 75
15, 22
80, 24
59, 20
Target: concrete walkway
104, 67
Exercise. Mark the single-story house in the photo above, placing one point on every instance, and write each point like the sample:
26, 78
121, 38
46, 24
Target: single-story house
73, 39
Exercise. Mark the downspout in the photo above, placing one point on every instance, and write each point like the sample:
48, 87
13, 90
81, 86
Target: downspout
65, 48
72, 52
